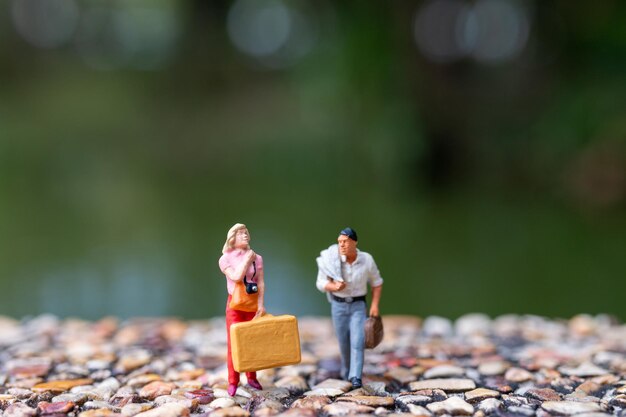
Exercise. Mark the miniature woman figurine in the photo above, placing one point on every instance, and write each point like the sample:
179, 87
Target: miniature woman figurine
238, 262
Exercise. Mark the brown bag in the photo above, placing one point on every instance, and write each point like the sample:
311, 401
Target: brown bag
374, 332
242, 301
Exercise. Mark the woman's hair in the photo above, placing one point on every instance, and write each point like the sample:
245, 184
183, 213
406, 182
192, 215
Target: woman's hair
230, 236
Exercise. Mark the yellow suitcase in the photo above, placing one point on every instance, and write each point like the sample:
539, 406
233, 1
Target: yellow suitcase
265, 342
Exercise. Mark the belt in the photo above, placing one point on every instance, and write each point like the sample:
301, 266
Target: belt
347, 299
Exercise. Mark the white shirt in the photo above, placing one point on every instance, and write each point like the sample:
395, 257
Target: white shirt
356, 276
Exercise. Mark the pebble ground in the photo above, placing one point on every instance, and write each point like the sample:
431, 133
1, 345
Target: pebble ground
507, 366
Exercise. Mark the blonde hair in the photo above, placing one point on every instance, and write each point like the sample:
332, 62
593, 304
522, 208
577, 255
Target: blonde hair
230, 236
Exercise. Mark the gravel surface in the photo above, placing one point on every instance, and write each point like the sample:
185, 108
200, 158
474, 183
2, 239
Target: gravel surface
476, 365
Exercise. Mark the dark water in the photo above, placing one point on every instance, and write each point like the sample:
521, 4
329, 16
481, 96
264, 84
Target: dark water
157, 254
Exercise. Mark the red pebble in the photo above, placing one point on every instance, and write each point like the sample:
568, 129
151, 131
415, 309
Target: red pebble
204, 396
62, 407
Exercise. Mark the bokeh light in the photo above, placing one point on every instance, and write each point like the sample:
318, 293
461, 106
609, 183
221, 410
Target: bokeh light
129, 34
490, 31
273, 32
439, 27
45, 23
497, 30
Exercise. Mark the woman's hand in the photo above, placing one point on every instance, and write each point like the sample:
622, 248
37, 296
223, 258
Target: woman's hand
374, 311
260, 312
250, 256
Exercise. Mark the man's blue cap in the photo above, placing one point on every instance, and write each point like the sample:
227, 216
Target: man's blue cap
348, 231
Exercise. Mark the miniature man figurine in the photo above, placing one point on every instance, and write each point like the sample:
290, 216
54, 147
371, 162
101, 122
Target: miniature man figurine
344, 272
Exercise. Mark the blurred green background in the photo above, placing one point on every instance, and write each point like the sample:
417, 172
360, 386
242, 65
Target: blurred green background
477, 147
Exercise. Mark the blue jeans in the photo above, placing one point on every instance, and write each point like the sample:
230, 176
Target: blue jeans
349, 323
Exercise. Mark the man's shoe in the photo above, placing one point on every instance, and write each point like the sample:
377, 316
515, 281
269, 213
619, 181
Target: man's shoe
255, 384
232, 389
356, 382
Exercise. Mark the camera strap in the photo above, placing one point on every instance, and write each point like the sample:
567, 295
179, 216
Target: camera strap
253, 273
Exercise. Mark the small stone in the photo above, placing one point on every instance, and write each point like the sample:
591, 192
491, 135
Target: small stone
156, 389
564, 385
375, 387
103, 391
584, 370
273, 405
30, 370
513, 400
518, 375
570, 407
451, 384
435, 326
581, 397
543, 394
328, 392
594, 415
24, 383
20, 393
61, 385
493, 368
276, 394
343, 408
203, 396
582, 325
453, 406
141, 380
259, 412
20, 410
133, 361
444, 371
166, 410
521, 410
222, 403
480, 394
606, 380
402, 375
99, 412
357, 392
95, 405
6, 400
132, 409
490, 405
417, 410
222, 393
314, 402
339, 384
370, 400
434, 394
413, 399
78, 399
547, 375
619, 401
190, 374
176, 399
473, 324
297, 370
98, 364
235, 411
63, 407
298, 412
293, 383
